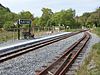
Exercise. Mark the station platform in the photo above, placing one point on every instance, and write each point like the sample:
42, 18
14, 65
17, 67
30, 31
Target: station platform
13, 43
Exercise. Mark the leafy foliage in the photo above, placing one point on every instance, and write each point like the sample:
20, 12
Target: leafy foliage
65, 18
8, 25
90, 19
7, 18
25, 15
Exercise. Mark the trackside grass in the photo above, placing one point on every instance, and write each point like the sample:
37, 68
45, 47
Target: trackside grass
96, 31
91, 65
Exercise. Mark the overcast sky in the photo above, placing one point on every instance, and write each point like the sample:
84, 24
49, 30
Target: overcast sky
35, 6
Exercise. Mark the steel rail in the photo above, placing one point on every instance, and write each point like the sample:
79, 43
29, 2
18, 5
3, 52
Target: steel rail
28, 46
9, 55
60, 70
36, 43
66, 68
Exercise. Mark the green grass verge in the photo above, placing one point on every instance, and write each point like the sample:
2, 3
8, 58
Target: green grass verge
94, 57
96, 31
72, 30
7, 35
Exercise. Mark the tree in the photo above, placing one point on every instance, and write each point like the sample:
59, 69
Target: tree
83, 19
45, 18
26, 15
63, 18
3, 12
8, 25
90, 19
36, 21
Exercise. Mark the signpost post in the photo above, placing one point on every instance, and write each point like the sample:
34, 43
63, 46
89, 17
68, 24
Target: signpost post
18, 31
23, 21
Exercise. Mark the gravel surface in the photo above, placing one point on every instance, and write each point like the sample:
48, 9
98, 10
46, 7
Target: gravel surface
94, 39
28, 63
86, 50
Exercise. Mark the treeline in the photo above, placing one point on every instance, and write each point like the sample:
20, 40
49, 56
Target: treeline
90, 19
8, 18
65, 18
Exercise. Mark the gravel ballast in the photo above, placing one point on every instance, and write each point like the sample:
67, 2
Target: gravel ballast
27, 64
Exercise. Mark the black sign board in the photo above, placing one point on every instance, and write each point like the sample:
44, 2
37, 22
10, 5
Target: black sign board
24, 21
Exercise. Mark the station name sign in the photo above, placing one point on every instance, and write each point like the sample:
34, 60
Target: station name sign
24, 21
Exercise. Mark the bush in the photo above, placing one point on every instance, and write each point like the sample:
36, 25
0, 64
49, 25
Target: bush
8, 25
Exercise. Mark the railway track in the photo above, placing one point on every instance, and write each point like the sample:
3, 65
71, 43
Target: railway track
25, 48
62, 63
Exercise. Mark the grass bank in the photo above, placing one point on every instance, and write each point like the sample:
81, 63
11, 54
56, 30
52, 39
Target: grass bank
96, 31
72, 30
7, 35
91, 65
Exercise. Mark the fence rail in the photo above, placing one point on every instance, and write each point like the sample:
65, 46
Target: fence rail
11, 34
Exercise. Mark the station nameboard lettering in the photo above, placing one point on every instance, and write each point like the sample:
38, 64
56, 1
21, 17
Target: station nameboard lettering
23, 21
